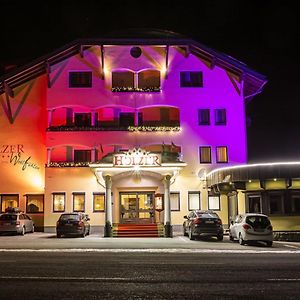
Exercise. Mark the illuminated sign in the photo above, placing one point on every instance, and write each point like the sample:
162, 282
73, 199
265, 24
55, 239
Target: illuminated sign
136, 157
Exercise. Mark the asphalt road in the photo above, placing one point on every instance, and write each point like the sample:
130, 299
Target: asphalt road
148, 275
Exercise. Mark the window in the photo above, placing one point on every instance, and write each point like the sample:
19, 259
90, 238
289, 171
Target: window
276, 203
78, 202
82, 155
194, 200
220, 116
123, 80
175, 201
99, 202
222, 156
34, 203
82, 119
7, 200
295, 203
59, 200
126, 119
80, 79
254, 203
203, 117
191, 79
214, 202
149, 79
205, 154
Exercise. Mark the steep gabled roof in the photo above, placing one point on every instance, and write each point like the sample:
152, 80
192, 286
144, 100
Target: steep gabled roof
253, 81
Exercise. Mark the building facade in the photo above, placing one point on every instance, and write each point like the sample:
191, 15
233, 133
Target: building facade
123, 130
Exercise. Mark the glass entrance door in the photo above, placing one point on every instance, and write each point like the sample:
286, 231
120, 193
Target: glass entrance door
137, 207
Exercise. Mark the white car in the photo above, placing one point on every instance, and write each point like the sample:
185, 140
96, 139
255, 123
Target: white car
251, 227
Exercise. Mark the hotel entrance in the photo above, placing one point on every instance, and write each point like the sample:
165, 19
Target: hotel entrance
137, 207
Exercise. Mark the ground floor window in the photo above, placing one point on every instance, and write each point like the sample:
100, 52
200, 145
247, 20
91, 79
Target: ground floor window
59, 202
99, 202
295, 203
78, 202
194, 200
276, 203
175, 201
254, 204
34, 203
9, 200
214, 202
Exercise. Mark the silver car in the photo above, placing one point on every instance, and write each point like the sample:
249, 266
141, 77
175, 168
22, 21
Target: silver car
16, 222
251, 227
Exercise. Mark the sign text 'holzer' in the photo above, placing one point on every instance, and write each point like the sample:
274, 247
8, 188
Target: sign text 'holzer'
137, 159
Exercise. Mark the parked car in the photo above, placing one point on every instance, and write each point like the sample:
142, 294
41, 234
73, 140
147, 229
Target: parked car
251, 227
15, 221
203, 222
73, 224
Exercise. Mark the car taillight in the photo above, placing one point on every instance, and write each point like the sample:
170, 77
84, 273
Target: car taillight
197, 221
219, 221
80, 224
246, 226
18, 223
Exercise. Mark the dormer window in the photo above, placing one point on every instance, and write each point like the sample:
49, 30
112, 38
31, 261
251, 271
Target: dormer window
80, 79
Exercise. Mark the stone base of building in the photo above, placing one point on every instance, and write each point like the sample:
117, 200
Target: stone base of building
287, 236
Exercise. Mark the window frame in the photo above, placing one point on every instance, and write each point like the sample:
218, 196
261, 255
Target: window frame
35, 212
205, 162
219, 203
98, 194
199, 198
224, 119
217, 157
281, 203
74, 194
200, 122
3, 195
190, 83
178, 201
89, 81
64, 200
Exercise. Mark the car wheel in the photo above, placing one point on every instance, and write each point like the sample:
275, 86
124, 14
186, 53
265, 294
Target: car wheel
231, 237
88, 233
83, 233
23, 231
191, 236
220, 237
241, 241
32, 230
269, 243
58, 235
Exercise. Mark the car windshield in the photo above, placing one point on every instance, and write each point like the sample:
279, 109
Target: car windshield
258, 221
8, 217
70, 217
207, 215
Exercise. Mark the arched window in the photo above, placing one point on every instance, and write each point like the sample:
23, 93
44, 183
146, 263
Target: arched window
149, 79
122, 80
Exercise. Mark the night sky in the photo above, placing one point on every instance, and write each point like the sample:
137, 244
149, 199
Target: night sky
263, 34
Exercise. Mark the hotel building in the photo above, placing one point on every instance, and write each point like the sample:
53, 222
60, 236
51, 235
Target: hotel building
125, 130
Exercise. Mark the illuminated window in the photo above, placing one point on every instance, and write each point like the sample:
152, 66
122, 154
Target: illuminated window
149, 79
78, 202
175, 201
194, 200
214, 202
59, 200
254, 203
220, 116
9, 200
203, 117
191, 79
123, 80
205, 154
82, 155
222, 156
99, 202
34, 203
80, 79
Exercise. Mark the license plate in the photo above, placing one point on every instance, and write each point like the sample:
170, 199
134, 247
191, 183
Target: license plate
7, 224
209, 222
69, 224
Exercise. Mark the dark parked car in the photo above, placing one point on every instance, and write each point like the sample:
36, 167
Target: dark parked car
203, 222
73, 224
15, 221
